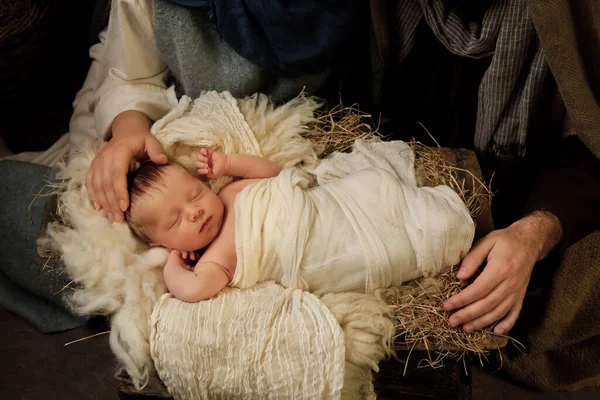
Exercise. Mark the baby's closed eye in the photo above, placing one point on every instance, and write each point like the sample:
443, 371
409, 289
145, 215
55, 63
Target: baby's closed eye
174, 221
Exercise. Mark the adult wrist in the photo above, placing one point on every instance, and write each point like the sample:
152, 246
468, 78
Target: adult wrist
547, 227
130, 123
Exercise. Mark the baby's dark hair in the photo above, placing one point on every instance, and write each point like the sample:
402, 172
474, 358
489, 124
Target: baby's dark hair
139, 183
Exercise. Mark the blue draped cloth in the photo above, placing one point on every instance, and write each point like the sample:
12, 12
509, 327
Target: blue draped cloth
286, 37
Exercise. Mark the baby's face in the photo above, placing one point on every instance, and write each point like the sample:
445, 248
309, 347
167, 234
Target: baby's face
181, 213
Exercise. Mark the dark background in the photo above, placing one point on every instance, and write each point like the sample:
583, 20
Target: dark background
43, 62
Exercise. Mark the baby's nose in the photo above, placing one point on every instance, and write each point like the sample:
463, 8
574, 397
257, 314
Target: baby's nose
196, 213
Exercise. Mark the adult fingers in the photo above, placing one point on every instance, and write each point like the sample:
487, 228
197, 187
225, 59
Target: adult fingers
480, 306
494, 315
475, 257
155, 151
98, 184
89, 184
511, 318
119, 182
113, 176
483, 285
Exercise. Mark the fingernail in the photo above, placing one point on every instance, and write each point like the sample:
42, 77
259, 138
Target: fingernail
110, 217
499, 331
123, 205
468, 329
96, 206
461, 273
118, 217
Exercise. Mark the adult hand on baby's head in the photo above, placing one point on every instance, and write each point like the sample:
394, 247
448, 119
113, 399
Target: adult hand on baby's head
212, 164
106, 180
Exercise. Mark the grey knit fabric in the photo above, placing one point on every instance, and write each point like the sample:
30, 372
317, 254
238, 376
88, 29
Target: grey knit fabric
199, 60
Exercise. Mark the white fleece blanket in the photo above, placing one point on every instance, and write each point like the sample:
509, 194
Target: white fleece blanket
366, 226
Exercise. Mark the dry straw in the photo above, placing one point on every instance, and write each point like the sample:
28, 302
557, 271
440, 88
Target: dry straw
338, 128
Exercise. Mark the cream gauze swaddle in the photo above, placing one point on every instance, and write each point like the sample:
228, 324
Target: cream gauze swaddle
365, 226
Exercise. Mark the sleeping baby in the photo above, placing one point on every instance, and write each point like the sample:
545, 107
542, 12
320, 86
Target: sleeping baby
173, 209
366, 230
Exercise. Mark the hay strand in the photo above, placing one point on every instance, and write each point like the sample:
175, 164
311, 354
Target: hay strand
85, 338
422, 322
337, 129
433, 169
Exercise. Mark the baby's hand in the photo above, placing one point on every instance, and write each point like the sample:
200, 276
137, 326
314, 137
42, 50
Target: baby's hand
189, 255
178, 258
212, 164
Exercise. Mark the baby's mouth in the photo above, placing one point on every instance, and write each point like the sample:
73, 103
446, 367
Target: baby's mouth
205, 224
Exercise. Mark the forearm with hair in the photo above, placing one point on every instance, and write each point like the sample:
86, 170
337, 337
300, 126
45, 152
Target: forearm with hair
545, 225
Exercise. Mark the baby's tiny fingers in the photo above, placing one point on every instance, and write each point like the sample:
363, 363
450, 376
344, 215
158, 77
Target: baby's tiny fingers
203, 171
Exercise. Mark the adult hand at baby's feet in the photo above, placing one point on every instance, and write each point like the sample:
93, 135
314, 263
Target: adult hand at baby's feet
106, 180
212, 164
498, 292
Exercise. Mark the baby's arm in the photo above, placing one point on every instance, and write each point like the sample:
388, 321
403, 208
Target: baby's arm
206, 280
215, 164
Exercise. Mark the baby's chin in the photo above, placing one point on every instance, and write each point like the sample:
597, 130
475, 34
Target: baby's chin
199, 244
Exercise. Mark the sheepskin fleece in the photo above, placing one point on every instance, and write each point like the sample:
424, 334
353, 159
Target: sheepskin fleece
117, 275
249, 126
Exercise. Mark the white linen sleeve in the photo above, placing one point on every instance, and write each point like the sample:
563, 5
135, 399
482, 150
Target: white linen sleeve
131, 75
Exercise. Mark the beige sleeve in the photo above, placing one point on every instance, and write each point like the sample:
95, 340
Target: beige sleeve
130, 74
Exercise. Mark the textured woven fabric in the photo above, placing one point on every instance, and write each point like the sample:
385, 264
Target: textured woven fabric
267, 342
243, 342
512, 83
